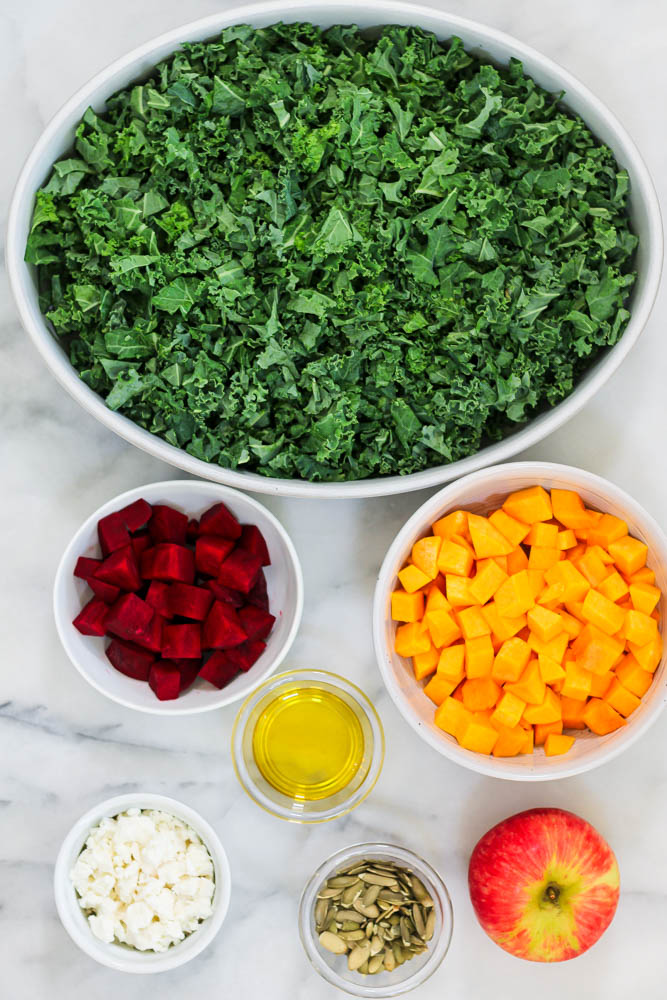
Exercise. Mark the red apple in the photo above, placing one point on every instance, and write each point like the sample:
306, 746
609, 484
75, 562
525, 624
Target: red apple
544, 884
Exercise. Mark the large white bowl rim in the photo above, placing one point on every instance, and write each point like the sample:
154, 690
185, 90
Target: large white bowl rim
484, 41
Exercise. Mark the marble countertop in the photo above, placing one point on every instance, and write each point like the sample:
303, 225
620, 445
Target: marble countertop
63, 747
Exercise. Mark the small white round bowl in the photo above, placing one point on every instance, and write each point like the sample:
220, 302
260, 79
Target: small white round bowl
284, 582
120, 956
481, 492
485, 42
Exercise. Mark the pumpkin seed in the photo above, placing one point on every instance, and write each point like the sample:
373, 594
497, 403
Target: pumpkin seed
379, 879
372, 911
389, 960
329, 893
333, 943
430, 925
349, 925
375, 964
370, 895
376, 945
321, 912
358, 956
357, 935
418, 919
405, 933
341, 881
351, 893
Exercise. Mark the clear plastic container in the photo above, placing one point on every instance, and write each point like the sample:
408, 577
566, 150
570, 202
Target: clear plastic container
299, 808
404, 977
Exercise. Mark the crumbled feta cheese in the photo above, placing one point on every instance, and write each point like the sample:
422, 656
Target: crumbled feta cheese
145, 879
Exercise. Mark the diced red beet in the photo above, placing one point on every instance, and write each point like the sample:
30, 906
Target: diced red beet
189, 602
112, 533
222, 628
210, 551
240, 570
258, 595
189, 670
252, 540
129, 660
129, 618
92, 618
136, 514
120, 568
168, 525
165, 680
106, 592
152, 637
246, 654
193, 530
158, 597
218, 520
140, 543
226, 594
256, 622
181, 641
85, 567
167, 561
218, 670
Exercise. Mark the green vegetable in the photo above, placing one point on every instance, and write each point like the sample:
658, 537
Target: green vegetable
329, 255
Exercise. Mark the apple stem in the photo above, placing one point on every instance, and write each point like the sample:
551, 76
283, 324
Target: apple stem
551, 893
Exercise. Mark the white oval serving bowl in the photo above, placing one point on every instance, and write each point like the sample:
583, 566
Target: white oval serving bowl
481, 492
483, 41
284, 583
120, 956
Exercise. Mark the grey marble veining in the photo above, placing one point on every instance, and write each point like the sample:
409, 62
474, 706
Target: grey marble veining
63, 747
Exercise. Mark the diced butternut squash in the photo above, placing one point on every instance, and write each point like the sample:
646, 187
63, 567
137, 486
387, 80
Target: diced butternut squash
544, 623
608, 529
412, 578
529, 505
436, 600
458, 591
601, 718
550, 669
472, 623
555, 648
452, 717
557, 743
600, 684
438, 688
479, 735
548, 711
639, 628
517, 560
542, 730
501, 626
644, 597
530, 687
425, 555
478, 657
451, 663
425, 663
454, 558
407, 607
569, 509
629, 554
632, 676
592, 567
575, 585
566, 539
543, 558
487, 540
596, 651
510, 660
412, 639
570, 624
543, 534
577, 683
573, 712
603, 613
508, 710
510, 741
486, 581
513, 530
480, 693
643, 575
455, 523
442, 627
614, 587
624, 701
515, 595
648, 656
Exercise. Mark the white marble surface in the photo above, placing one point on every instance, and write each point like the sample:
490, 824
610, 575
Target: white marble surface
63, 747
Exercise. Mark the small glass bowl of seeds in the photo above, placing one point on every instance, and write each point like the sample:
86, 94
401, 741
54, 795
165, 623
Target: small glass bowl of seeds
375, 920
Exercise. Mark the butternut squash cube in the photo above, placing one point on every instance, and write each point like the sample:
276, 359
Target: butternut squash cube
517, 560
577, 683
451, 663
639, 628
644, 597
438, 688
632, 676
486, 581
412, 578
407, 607
508, 710
603, 613
596, 651
555, 648
624, 701
452, 717
458, 591
436, 600
454, 558
629, 554
601, 718
473, 623
425, 663
530, 687
543, 535
643, 575
412, 639
511, 660
480, 693
455, 523
608, 529
557, 743
442, 627
600, 684
550, 669
566, 540
529, 505
479, 735
510, 741
570, 624
575, 585
592, 567
542, 730
569, 509
513, 530
573, 712
544, 623
478, 657
613, 587
487, 540
548, 711
543, 558
501, 626
648, 656
515, 595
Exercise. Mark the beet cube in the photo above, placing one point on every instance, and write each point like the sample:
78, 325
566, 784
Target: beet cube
165, 680
246, 654
158, 597
258, 595
85, 567
181, 641
121, 569
218, 670
210, 551
193, 530
222, 628
106, 592
129, 660
112, 533
218, 520
226, 594
129, 618
136, 514
168, 525
140, 543
167, 561
152, 637
256, 622
240, 570
189, 670
189, 602
92, 618
252, 540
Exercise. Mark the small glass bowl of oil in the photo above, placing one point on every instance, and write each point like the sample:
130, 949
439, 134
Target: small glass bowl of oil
307, 746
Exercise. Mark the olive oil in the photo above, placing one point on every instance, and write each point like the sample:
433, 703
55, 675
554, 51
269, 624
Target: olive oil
308, 742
